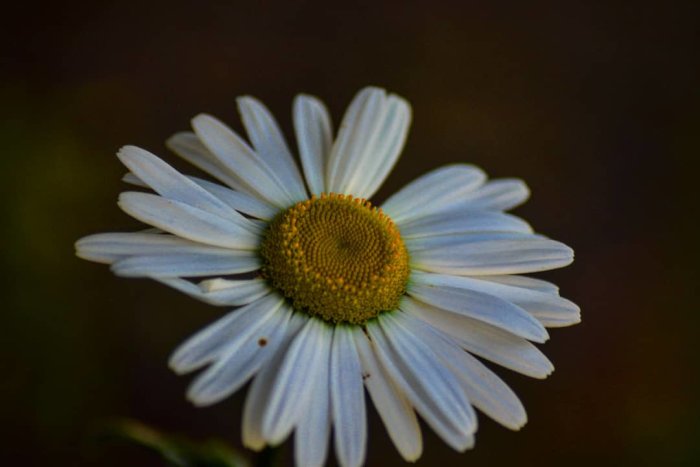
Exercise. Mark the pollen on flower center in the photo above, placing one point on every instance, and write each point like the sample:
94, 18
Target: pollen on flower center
336, 257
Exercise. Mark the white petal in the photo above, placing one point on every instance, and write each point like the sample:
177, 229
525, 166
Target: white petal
238, 200
289, 400
151, 230
433, 340
489, 393
182, 285
228, 288
486, 256
240, 359
313, 430
391, 403
312, 124
224, 293
169, 183
484, 340
433, 192
187, 265
481, 306
232, 152
258, 393
500, 194
558, 320
210, 343
484, 389
463, 222
432, 388
110, 247
270, 145
369, 141
134, 180
384, 155
262, 386
465, 239
496, 195
546, 307
188, 146
355, 130
189, 222
347, 398
538, 285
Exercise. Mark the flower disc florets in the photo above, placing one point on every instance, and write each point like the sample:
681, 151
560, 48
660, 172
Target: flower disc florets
336, 257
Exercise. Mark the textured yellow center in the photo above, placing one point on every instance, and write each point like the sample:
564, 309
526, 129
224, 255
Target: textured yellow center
336, 257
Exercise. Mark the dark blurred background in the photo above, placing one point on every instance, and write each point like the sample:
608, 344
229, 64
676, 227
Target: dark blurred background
594, 104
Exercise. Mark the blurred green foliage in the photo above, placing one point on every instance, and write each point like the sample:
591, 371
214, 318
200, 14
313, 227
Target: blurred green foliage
178, 451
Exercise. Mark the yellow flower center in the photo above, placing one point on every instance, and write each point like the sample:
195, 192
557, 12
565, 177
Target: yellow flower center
337, 258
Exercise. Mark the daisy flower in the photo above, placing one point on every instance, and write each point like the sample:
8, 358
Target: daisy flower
334, 295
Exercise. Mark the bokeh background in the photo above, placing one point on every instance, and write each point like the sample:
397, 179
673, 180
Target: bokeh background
594, 104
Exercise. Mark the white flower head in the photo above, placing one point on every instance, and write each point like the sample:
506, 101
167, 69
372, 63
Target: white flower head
334, 295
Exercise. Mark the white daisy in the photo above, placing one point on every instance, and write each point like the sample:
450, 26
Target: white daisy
334, 294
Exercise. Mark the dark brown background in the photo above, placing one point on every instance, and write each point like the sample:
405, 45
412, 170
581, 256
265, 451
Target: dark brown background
594, 104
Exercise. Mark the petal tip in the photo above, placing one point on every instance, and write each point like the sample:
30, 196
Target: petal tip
201, 119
